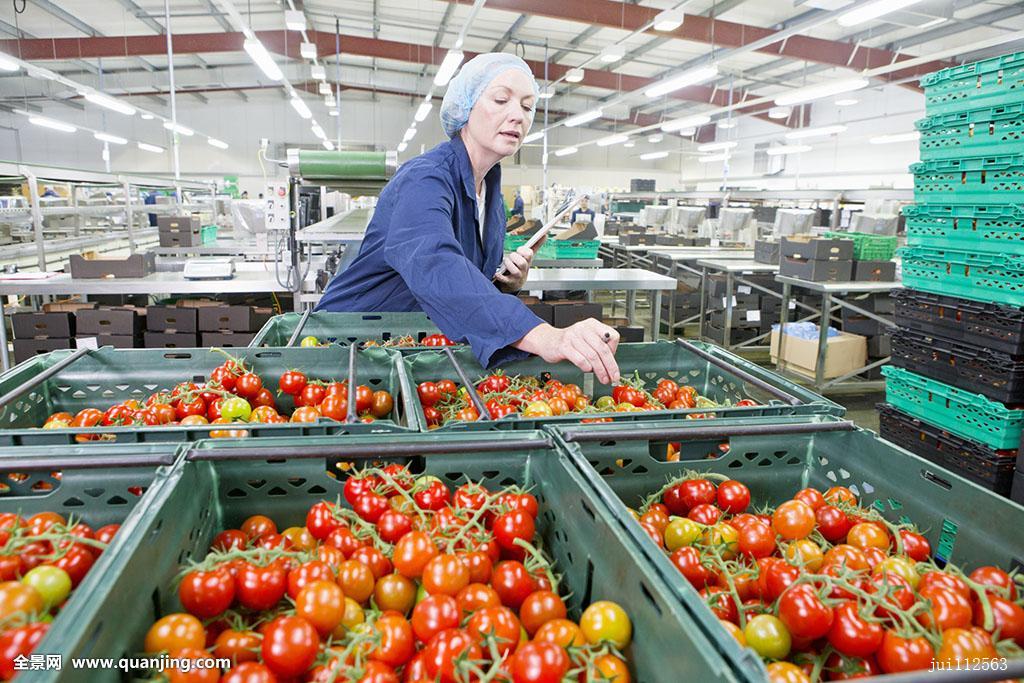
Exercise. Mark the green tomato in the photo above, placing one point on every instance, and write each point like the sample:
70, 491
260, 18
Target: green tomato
309, 341
768, 636
682, 532
605, 404
421, 594
236, 408
53, 583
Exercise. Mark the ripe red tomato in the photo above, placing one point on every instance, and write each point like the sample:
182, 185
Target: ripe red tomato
1007, 618
292, 382
19, 642
397, 644
445, 575
512, 582
248, 385
756, 539
804, 613
540, 662
435, 613
207, 594
434, 496
996, 577
311, 395
392, 525
382, 404
687, 560
305, 574
511, 526
248, 672
904, 654
445, 649
853, 636
499, 622
289, 646
733, 497
833, 523
705, 514
949, 609
428, 393
539, 608
412, 553
793, 520
260, 588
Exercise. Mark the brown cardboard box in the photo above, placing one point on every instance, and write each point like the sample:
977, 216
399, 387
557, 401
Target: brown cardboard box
232, 318
630, 335
570, 313
136, 265
43, 325
68, 306
843, 354
171, 319
118, 341
125, 321
171, 340
816, 248
27, 348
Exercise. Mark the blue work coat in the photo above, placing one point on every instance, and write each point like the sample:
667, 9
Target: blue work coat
422, 252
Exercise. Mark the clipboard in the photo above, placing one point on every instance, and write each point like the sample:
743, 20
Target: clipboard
570, 203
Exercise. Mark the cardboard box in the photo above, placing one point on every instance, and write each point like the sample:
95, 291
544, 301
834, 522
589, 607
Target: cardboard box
630, 335
874, 271
570, 313
843, 354
178, 223
111, 321
766, 251
118, 341
136, 265
232, 318
68, 306
736, 336
880, 346
817, 249
180, 239
226, 339
816, 270
861, 324
543, 310
43, 325
171, 319
636, 239
741, 319
171, 340
27, 348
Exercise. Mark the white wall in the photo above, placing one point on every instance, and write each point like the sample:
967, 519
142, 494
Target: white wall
842, 163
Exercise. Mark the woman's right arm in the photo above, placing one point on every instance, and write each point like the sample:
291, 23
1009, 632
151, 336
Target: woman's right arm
590, 345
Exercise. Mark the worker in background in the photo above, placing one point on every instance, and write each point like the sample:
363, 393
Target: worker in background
435, 239
517, 204
245, 194
150, 198
582, 213
48, 192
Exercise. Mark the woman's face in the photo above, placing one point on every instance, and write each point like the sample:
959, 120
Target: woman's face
502, 115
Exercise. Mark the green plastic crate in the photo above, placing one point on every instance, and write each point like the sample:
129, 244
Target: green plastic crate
991, 130
964, 523
557, 249
593, 549
119, 493
208, 234
106, 376
868, 247
513, 242
996, 278
964, 413
988, 83
987, 228
996, 179
653, 361
344, 329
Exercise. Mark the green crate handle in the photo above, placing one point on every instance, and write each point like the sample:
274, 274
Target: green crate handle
981, 163
1001, 113
42, 376
583, 434
21, 463
742, 374
483, 414
983, 211
298, 328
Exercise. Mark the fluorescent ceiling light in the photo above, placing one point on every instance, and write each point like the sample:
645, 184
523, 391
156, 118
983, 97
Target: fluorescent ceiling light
546, 94
7, 63
317, 72
178, 128
409, 134
108, 102
933, 22
805, 133
333, 112
656, 138
716, 146
898, 137
533, 137
402, 146
147, 116
219, 144
629, 145
726, 124
51, 124
329, 100
585, 117
715, 157
779, 112
692, 77
448, 67
574, 75
105, 153
307, 50
41, 74
300, 107
566, 151
873, 10
423, 111
612, 140
294, 20
146, 147
262, 58
846, 101
651, 156
318, 131
685, 122
816, 92
687, 132
325, 88
669, 20
328, 145
779, 150
612, 53
107, 137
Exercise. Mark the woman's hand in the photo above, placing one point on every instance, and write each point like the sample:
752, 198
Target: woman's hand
589, 345
517, 265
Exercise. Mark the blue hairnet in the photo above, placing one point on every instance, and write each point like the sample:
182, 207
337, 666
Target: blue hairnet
467, 86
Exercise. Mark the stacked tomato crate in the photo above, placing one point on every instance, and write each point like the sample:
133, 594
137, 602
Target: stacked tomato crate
955, 390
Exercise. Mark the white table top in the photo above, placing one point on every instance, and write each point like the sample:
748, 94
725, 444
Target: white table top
695, 253
738, 266
156, 283
839, 287
597, 278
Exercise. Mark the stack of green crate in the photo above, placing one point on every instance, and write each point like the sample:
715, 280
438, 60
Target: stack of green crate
868, 247
965, 238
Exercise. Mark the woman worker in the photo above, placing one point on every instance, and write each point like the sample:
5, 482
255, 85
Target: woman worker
436, 237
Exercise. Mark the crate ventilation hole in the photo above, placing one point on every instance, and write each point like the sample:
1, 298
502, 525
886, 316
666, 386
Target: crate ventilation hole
277, 491
296, 481
116, 500
93, 492
73, 502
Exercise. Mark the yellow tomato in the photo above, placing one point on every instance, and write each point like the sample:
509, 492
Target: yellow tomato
682, 532
805, 553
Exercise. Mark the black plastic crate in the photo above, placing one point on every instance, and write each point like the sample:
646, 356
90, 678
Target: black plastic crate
995, 374
989, 468
1017, 493
995, 326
